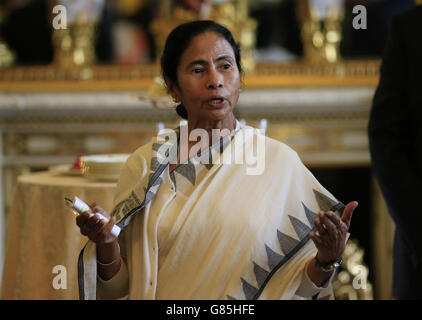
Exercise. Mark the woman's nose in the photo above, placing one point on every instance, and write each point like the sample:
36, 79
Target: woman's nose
215, 80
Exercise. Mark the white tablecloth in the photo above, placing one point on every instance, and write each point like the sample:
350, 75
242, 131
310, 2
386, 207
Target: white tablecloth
42, 234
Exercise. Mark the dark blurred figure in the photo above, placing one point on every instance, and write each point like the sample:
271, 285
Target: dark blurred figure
26, 29
395, 135
143, 18
369, 42
278, 25
28, 32
104, 45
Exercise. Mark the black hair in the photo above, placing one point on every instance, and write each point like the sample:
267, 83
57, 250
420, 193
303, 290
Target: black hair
177, 42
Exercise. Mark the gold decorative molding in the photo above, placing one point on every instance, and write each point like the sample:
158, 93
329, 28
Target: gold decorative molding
140, 77
95, 78
299, 74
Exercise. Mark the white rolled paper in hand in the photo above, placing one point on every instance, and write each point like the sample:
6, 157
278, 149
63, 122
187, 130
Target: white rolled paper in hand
79, 206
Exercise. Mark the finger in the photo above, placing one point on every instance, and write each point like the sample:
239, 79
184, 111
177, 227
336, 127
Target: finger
79, 221
319, 227
334, 219
105, 232
348, 212
93, 205
86, 215
86, 230
315, 238
94, 223
87, 212
99, 209
100, 234
82, 219
329, 225
110, 224
99, 224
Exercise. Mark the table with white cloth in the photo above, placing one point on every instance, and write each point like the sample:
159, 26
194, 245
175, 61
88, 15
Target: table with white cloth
43, 240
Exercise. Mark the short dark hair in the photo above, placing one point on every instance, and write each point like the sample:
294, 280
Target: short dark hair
177, 42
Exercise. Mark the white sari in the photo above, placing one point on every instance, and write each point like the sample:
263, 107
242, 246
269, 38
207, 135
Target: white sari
214, 231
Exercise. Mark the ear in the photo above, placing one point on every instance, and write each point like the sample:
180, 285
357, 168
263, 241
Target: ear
172, 89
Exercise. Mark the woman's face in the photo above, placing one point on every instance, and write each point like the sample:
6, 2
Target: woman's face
208, 77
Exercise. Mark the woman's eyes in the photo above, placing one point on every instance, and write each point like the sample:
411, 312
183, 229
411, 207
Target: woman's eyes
197, 70
225, 66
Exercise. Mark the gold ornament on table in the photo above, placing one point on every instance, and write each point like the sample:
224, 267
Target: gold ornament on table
232, 14
351, 282
321, 30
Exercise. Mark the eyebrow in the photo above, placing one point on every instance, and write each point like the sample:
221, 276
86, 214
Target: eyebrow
203, 62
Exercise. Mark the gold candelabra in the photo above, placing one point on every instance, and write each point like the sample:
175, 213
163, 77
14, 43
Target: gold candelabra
74, 45
320, 37
232, 14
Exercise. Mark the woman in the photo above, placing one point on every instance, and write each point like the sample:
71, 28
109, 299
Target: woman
201, 230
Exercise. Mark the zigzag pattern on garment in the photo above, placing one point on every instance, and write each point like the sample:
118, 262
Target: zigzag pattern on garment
288, 247
125, 207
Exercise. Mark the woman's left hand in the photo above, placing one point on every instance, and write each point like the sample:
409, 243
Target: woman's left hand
332, 231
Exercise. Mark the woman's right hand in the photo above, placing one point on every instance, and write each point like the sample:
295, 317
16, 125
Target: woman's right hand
94, 228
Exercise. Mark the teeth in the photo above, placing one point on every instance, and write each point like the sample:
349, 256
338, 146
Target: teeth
216, 100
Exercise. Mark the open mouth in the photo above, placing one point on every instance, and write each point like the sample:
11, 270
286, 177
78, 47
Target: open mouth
216, 102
